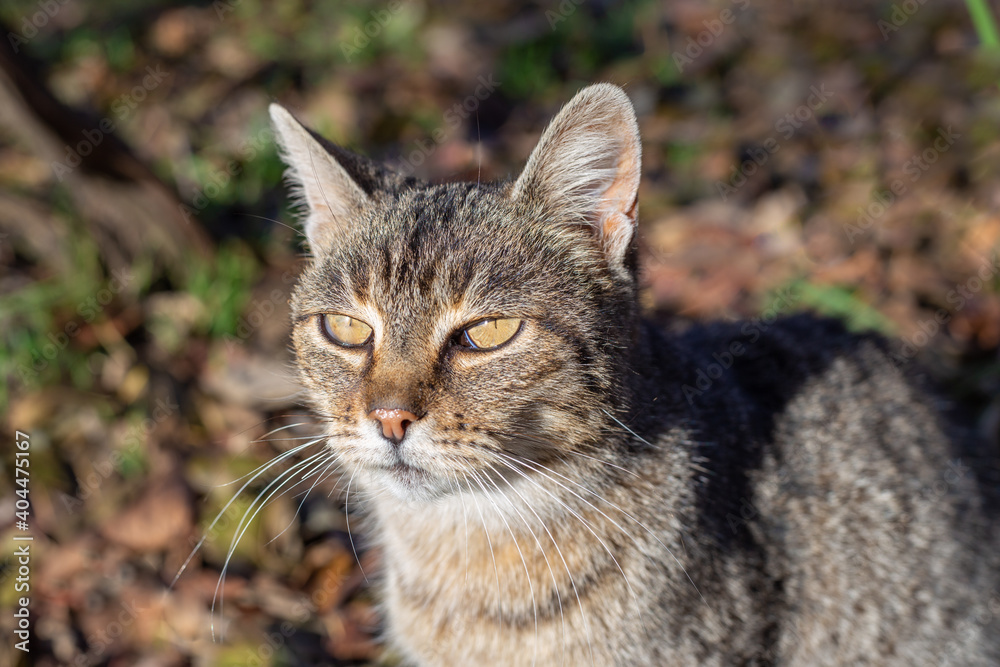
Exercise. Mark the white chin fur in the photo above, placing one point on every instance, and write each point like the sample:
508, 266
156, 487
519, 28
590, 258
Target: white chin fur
409, 486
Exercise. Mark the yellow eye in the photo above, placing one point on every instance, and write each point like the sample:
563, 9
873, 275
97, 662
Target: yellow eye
345, 330
489, 334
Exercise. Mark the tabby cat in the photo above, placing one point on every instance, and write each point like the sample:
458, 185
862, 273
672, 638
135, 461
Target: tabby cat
545, 486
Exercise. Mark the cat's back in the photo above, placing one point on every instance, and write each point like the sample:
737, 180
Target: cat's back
834, 465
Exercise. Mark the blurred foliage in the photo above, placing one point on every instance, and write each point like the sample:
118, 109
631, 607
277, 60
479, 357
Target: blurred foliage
223, 288
40, 322
834, 301
986, 27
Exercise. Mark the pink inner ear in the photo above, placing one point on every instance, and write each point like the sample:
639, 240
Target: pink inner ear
617, 222
621, 192
620, 202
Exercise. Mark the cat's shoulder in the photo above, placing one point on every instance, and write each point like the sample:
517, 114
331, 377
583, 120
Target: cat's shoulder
773, 355
744, 374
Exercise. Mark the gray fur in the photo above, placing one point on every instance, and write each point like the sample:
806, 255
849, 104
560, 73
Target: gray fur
567, 498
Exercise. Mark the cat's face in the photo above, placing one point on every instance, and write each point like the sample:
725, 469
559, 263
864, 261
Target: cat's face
416, 274
449, 333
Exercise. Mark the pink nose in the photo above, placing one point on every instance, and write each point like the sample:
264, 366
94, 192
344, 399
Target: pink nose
394, 422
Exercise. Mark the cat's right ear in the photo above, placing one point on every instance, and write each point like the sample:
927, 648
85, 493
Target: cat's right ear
586, 167
323, 186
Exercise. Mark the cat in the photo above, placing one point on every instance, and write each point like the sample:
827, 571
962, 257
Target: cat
544, 487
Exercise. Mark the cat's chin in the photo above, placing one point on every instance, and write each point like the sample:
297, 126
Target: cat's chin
408, 483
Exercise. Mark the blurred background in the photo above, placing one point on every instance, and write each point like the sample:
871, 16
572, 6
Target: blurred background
837, 157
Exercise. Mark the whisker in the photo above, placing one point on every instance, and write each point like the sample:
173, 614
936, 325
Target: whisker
527, 572
637, 522
267, 465
634, 434
540, 469
275, 221
465, 519
572, 581
330, 460
489, 542
260, 471
241, 528
555, 584
601, 461
303, 437
628, 584
350, 535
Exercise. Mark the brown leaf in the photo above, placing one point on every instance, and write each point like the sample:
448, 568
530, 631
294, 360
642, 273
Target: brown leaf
329, 582
162, 514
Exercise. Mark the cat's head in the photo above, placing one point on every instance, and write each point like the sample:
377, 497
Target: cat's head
449, 333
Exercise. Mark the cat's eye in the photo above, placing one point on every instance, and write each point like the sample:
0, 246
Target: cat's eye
345, 330
489, 334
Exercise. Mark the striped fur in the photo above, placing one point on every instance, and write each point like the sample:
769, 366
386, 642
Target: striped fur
562, 500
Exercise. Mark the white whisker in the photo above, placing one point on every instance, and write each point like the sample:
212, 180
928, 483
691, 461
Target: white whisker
259, 471
489, 542
241, 528
350, 535
632, 518
527, 572
565, 506
634, 434
555, 583
330, 460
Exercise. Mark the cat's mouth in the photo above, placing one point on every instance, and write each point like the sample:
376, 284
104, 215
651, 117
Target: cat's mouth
406, 470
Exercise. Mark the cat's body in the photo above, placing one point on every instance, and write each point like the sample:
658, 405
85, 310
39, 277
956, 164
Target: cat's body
574, 491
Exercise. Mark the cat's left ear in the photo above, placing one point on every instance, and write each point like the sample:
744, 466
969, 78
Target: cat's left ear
587, 164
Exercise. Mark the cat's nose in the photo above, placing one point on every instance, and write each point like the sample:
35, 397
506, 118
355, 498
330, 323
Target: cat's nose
394, 422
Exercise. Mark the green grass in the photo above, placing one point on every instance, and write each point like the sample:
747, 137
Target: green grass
37, 347
834, 301
578, 46
223, 287
44, 323
986, 27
